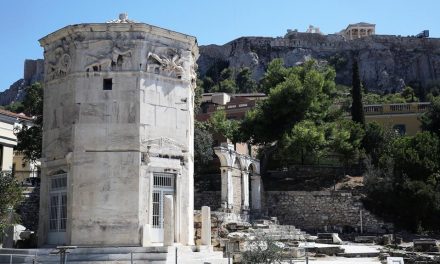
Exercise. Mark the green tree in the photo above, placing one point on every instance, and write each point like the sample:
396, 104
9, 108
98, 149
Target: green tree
345, 139
29, 139
215, 71
275, 74
10, 198
16, 107
431, 119
198, 92
303, 93
306, 142
357, 107
225, 84
244, 81
225, 127
405, 187
417, 157
203, 143
409, 94
377, 141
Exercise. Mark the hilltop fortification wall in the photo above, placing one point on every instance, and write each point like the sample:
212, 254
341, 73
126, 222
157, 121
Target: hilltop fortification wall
387, 63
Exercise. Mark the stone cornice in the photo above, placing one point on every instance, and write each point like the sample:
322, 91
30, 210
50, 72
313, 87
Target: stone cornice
116, 27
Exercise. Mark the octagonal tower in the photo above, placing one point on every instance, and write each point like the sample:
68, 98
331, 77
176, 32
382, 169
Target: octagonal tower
117, 134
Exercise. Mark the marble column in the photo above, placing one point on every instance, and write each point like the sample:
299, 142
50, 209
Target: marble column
168, 220
206, 226
256, 192
227, 188
245, 189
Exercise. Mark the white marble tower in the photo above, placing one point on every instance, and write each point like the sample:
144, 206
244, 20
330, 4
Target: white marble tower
118, 134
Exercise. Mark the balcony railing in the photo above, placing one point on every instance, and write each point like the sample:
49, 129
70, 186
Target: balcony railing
396, 108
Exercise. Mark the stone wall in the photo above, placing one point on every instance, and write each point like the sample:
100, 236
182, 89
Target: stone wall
216, 230
323, 211
207, 198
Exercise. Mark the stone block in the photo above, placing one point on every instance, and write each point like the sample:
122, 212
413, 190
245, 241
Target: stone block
425, 245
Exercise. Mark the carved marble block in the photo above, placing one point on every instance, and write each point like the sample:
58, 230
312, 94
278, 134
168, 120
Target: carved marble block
118, 134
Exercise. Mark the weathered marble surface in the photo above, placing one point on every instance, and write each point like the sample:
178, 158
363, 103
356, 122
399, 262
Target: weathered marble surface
111, 141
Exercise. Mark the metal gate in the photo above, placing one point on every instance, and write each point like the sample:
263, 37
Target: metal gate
163, 184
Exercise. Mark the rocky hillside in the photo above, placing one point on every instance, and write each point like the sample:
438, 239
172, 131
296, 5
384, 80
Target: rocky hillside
387, 63
33, 72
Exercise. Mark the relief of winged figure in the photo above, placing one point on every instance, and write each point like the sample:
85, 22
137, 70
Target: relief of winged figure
173, 65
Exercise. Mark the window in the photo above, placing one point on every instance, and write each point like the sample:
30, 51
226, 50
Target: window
400, 128
58, 203
107, 84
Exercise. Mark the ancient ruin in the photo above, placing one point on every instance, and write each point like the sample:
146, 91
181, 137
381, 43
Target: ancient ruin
118, 135
359, 30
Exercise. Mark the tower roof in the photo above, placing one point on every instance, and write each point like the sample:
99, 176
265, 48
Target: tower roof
122, 24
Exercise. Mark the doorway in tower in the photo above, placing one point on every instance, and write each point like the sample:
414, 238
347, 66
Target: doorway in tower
57, 209
163, 184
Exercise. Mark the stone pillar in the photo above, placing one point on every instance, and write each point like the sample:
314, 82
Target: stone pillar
245, 192
256, 192
227, 188
206, 226
7, 157
168, 221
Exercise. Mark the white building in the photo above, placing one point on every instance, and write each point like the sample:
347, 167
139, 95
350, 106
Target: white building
10, 161
118, 134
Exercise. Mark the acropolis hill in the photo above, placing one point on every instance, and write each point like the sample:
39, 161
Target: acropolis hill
387, 62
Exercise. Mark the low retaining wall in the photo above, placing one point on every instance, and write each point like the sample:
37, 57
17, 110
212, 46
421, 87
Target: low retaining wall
207, 198
324, 211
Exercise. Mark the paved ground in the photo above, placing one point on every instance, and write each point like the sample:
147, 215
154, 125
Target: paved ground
350, 248
337, 260
361, 248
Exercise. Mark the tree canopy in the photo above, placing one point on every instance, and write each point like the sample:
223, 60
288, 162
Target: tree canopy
431, 119
405, 186
10, 198
202, 145
295, 94
29, 139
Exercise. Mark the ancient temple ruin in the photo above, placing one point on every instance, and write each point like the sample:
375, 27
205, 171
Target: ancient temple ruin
118, 134
241, 184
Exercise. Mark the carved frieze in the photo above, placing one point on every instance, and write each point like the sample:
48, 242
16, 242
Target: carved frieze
116, 59
169, 63
59, 63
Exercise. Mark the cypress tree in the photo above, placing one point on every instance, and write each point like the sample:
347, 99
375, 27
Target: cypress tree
357, 107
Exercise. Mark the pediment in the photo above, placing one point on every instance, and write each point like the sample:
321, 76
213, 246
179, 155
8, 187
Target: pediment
163, 146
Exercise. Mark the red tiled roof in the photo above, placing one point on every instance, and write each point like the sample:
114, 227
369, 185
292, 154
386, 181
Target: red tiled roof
15, 115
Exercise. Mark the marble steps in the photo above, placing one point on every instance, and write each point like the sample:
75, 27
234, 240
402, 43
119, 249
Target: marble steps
150, 255
115, 255
202, 258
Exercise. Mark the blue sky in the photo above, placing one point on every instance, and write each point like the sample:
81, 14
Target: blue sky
23, 22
